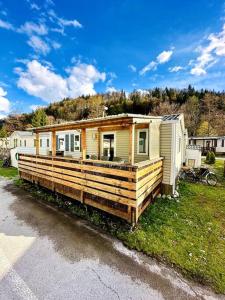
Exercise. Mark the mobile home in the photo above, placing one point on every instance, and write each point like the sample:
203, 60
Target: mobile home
117, 163
209, 143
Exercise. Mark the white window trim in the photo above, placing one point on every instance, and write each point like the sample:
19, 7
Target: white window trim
147, 141
102, 137
74, 142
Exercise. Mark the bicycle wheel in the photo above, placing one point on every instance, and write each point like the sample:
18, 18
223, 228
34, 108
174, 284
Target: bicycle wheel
211, 179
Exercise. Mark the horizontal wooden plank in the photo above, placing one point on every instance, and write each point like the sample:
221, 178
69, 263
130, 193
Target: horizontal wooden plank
143, 196
148, 169
83, 182
145, 180
107, 209
110, 181
145, 188
102, 169
103, 194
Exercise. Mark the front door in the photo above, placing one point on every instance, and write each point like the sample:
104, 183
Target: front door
109, 145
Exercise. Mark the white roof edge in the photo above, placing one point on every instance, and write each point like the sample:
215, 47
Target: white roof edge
112, 117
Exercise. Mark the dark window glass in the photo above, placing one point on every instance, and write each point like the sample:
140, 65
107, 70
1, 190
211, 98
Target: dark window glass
67, 143
72, 142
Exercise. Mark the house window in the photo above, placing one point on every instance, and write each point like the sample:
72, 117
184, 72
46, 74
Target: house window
142, 142
222, 144
15, 143
40, 142
25, 143
20, 143
67, 142
72, 142
77, 142
47, 143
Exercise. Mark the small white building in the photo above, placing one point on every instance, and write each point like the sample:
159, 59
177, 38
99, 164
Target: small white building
209, 143
21, 142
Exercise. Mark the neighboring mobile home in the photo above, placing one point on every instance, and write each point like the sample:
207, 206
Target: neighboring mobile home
117, 163
21, 142
209, 143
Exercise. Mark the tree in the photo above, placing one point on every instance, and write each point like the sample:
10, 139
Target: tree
39, 118
3, 132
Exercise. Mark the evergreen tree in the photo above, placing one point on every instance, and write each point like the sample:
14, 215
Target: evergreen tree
39, 118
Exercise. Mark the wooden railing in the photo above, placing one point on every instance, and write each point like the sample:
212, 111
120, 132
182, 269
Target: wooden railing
119, 189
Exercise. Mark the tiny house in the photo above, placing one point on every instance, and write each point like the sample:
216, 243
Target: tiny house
209, 143
21, 142
118, 163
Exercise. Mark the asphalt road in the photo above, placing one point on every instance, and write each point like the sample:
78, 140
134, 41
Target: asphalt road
47, 255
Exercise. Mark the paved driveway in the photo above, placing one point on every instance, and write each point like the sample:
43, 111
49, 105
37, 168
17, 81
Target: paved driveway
46, 255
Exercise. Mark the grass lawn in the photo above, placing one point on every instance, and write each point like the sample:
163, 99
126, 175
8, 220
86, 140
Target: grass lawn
8, 172
188, 233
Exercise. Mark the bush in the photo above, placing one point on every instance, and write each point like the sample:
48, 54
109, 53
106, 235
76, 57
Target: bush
210, 158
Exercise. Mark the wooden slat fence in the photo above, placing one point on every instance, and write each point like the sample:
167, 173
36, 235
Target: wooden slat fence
122, 190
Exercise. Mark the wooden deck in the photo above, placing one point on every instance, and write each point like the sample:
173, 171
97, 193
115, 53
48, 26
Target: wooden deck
119, 189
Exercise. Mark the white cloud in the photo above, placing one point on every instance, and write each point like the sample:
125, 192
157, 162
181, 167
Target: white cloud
34, 6
164, 56
111, 76
38, 80
62, 23
3, 12
36, 106
4, 104
151, 66
39, 45
197, 71
132, 68
73, 23
6, 25
111, 89
176, 69
30, 28
210, 53
56, 45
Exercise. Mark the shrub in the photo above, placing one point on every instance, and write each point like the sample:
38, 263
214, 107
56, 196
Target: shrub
210, 158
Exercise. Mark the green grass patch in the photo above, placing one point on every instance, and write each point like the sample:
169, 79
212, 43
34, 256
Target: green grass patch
8, 172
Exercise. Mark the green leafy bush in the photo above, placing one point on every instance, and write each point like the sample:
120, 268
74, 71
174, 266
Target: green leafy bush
210, 158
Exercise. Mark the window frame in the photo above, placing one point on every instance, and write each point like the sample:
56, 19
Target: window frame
77, 150
147, 141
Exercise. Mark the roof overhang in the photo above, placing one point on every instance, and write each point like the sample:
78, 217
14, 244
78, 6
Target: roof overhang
122, 120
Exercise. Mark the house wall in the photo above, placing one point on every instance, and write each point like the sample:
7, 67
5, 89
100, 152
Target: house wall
193, 157
219, 148
166, 148
20, 140
44, 150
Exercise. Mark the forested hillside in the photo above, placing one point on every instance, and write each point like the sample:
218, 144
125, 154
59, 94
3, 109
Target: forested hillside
204, 110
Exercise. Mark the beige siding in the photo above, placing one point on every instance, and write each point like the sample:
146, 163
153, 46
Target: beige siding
154, 140
166, 138
122, 144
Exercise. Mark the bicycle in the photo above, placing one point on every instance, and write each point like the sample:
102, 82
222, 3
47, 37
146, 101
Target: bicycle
198, 175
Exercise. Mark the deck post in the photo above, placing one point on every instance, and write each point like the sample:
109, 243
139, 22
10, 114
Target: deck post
37, 143
99, 144
83, 140
53, 143
131, 143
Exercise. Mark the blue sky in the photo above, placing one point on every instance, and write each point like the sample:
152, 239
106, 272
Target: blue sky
52, 49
